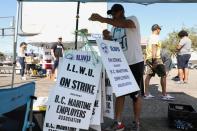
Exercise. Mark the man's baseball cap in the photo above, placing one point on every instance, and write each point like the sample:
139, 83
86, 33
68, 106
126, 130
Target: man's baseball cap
115, 8
155, 27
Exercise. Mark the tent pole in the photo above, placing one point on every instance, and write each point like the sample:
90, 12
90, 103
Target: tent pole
77, 24
15, 41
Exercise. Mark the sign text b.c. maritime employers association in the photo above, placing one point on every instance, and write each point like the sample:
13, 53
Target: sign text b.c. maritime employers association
72, 100
118, 71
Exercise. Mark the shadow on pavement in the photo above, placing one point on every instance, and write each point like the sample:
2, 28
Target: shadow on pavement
154, 115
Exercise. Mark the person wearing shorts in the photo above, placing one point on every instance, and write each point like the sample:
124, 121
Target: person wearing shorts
138, 72
183, 57
159, 69
155, 64
126, 31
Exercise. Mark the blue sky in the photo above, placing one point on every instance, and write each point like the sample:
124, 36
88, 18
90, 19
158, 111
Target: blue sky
169, 16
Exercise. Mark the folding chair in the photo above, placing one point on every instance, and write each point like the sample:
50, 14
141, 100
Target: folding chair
13, 98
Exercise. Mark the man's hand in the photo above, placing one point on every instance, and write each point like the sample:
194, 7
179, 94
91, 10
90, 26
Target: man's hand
106, 35
96, 17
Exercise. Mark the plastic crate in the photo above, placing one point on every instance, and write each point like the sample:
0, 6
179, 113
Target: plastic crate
182, 117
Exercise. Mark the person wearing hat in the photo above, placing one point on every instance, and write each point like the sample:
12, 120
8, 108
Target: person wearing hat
155, 64
126, 31
57, 51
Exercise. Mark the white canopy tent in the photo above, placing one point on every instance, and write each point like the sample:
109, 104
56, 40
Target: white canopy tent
51, 24
126, 1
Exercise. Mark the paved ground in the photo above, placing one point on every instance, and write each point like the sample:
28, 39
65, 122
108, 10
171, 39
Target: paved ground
154, 112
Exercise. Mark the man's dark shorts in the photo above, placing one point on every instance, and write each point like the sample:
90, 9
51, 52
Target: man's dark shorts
159, 69
56, 63
183, 60
138, 72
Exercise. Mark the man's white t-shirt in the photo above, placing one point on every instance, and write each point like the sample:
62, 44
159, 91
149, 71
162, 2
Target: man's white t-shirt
130, 41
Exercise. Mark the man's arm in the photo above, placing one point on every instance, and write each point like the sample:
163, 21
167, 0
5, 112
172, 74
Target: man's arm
178, 46
121, 23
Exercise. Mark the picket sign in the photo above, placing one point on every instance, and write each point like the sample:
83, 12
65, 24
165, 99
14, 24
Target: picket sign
80, 98
109, 110
46, 53
97, 117
66, 128
96, 114
107, 98
118, 71
96, 120
103, 96
72, 100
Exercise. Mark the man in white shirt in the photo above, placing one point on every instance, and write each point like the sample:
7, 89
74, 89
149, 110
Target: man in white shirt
127, 32
155, 64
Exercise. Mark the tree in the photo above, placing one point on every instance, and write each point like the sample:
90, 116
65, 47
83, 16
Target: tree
2, 56
193, 36
170, 42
